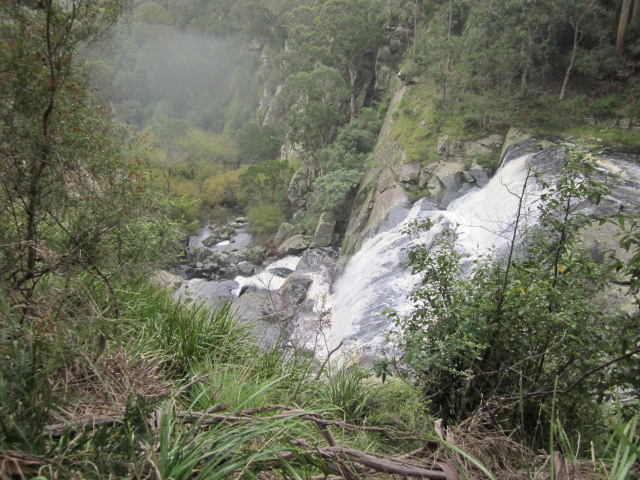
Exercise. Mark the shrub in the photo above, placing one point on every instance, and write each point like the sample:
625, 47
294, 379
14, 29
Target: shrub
265, 219
332, 190
514, 333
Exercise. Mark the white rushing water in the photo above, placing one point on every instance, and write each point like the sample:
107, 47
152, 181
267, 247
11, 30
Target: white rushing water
270, 278
374, 279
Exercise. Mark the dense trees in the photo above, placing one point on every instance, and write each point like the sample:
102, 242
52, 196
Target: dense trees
524, 48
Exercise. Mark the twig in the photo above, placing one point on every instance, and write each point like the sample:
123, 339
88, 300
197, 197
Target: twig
326, 360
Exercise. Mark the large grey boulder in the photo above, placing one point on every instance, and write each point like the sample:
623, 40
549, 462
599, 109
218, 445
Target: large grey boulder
255, 255
294, 290
211, 240
323, 236
246, 268
294, 245
211, 293
285, 230
257, 309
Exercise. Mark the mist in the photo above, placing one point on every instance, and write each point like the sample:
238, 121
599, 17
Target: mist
154, 74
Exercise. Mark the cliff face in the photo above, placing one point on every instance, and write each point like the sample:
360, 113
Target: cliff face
380, 189
393, 181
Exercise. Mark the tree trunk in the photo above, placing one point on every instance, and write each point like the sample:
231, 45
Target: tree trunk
353, 75
38, 166
572, 61
415, 25
625, 17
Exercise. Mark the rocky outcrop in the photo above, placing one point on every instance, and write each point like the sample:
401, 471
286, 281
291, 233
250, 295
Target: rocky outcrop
255, 255
294, 290
285, 230
461, 151
449, 181
392, 182
300, 187
255, 308
323, 236
379, 192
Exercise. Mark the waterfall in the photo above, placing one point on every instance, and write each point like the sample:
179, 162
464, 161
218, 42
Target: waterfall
375, 280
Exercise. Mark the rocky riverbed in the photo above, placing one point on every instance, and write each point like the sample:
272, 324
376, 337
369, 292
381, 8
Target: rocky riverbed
279, 290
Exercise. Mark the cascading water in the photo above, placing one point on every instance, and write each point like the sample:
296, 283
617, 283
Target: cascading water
374, 279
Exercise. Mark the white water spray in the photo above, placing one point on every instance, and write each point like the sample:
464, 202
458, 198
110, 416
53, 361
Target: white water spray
375, 280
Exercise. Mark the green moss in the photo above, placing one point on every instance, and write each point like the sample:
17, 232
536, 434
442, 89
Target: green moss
413, 125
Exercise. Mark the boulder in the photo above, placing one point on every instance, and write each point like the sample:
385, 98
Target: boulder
255, 308
246, 268
255, 255
285, 230
281, 271
317, 260
294, 245
211, 293
294, 290
211, 240
167, 280
323, 236
409, 173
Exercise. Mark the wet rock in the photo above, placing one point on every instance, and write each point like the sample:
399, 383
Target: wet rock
281, 271
294, 290
316, 259
323, 236
255, 255
211, 240
246, 268
478, 176
294, 245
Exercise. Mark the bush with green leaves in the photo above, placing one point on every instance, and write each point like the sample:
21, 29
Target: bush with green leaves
332, 191
513, 332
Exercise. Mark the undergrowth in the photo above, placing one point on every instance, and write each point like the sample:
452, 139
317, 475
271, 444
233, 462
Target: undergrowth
163, 390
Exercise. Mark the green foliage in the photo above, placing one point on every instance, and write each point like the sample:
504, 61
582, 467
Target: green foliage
266, 182
257, 144
266, 218
332, 191
627, 449
315, 99
508, 330
348, 391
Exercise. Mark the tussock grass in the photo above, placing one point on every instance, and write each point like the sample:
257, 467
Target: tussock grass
86, 393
